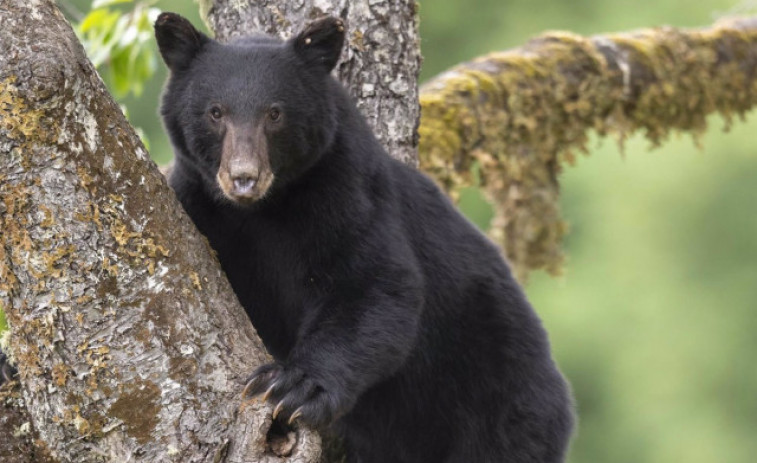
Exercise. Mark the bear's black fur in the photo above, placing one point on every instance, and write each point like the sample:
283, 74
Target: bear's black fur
392, 319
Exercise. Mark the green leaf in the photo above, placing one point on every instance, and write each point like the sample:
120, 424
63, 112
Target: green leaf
118, 73
94, 19
102, 3
97, 32
135, 73
120, 45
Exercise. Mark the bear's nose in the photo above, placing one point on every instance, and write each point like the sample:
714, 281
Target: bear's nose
244, 184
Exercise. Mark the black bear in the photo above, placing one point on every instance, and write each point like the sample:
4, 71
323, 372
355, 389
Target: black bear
392, 320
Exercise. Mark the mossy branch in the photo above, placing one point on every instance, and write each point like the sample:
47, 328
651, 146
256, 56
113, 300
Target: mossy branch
521, 114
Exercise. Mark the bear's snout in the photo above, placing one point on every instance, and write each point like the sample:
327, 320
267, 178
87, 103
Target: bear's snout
244, 184
244, 174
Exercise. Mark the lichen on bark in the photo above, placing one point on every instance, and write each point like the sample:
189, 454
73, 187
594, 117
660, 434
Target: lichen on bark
522, 114
127, 336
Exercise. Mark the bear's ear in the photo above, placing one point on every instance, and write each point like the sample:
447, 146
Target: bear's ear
320, 43
178, 41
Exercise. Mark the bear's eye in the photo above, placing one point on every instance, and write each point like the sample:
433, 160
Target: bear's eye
216, 113
274, 114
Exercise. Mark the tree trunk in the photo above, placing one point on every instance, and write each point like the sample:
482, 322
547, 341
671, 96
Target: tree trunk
129, 341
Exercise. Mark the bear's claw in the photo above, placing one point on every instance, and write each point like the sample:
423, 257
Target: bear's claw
295, 393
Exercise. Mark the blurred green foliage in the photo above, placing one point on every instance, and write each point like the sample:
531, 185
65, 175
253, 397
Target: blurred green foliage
120, 44
119, 40
655, 317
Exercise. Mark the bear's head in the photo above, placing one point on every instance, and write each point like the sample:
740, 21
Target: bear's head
252, 115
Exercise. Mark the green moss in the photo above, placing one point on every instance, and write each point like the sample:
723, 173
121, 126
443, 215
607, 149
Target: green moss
522, 114
3, 321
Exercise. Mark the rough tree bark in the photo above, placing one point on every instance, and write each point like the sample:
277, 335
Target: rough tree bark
130, 343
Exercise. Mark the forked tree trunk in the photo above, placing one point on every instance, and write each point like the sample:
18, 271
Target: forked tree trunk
129, 341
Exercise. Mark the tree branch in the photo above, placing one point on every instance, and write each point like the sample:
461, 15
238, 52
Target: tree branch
520, 114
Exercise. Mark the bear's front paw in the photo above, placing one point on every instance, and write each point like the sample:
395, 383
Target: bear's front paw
296, 395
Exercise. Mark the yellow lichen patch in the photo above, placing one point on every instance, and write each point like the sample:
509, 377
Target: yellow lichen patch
82, 347
134, 244
15, 241
150, 266
97, 358
52, 261
21, 122
112, 269
195, 280
91, 215
86, 179
519, 115
121, 233
59, 375
71, 416
48, 221
82, 425
149, 248
357, 40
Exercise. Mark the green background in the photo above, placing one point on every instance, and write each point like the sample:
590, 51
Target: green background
654, 319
